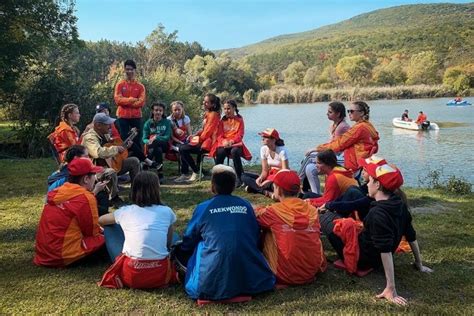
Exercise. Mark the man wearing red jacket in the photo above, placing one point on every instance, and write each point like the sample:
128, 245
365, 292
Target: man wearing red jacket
129, 97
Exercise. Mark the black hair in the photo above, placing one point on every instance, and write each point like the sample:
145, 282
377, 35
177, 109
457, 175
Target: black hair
215, 101
223, 182
327, 157
146, 189
131, 63
339, 108
73, 152
160, 104
77, 179
363, 107
233, 104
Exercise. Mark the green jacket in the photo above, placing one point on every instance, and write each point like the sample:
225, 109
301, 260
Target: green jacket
162, 129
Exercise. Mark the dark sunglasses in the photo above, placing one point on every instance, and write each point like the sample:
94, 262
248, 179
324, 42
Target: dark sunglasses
352, 111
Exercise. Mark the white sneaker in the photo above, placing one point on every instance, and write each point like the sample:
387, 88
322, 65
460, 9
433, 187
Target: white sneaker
182, 178
194, 177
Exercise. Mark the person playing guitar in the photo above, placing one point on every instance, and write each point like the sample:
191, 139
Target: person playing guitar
110, 154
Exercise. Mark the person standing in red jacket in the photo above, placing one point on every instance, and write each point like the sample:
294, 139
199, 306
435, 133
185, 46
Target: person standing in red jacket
129, 97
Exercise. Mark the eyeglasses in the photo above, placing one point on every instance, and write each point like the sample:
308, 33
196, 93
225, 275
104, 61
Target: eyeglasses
352, 111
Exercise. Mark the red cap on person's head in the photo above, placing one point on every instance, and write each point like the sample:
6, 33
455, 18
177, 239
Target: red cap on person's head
81, 166
288, 180
374, 160
270, 132
388, 175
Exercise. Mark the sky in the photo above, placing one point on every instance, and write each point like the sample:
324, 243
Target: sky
217, 24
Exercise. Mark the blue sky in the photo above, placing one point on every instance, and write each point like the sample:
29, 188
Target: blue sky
216, 24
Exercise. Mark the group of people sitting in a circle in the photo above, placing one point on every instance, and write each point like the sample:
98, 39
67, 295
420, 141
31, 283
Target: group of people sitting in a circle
231, 250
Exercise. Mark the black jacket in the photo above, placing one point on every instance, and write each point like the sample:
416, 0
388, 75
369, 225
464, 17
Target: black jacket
384, 226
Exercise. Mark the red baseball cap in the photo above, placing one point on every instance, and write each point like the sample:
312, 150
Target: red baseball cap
388, 175
375, 160
288, 180
81, 166
270, 132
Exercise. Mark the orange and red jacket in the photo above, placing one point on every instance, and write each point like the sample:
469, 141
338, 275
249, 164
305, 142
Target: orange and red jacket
360, 141
348, 230
63, 137
337, 182
292, 244
231, 129
208, 134
421, 118
68, 229
125, 91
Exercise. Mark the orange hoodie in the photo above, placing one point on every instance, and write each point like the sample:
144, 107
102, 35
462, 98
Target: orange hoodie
125, 95
63, 137
337, 182
360, 141
292, 244
231, 129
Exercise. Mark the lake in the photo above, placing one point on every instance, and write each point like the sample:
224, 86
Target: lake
449, 150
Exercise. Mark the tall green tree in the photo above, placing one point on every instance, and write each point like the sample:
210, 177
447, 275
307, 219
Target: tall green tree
423, 69
354, 69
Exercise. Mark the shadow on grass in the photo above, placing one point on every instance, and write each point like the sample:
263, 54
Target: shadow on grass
23, 233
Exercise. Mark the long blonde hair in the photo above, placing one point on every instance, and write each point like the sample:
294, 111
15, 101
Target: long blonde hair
180, 103
66, 110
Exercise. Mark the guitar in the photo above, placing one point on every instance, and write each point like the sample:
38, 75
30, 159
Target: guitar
117, 161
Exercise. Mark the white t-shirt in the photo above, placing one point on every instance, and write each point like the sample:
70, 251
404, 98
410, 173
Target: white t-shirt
145, 230
280, 156
181, 122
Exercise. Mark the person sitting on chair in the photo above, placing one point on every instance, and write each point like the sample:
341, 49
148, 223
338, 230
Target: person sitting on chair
230, 137
95, 141
222, 237
66, 133
68, 229
181, 125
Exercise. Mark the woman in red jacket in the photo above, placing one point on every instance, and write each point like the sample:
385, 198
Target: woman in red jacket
66, 134
230, 139
203, 141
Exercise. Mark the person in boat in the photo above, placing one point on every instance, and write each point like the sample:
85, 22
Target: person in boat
68, 229
230, 140
457, 99
405, 116
338, 178
138, 237
372, 245
66, 134
291, 233
156, 136
203, 141
222, 238
96, 140
181, 125
337, 114
129, 96
274, 157
421, 118
360, 141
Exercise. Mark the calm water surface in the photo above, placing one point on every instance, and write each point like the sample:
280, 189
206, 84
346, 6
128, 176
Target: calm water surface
303, 126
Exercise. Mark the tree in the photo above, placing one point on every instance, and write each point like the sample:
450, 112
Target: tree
459, 78
327, 78
311, 77
423, 68
27, 28
389, 73
294, 73
354, 69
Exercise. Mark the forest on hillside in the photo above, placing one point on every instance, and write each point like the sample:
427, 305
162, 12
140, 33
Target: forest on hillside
45, 64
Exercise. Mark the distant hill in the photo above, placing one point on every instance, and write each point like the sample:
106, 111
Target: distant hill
446, 29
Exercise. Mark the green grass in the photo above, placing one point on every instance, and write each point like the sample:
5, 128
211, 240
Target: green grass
446, 238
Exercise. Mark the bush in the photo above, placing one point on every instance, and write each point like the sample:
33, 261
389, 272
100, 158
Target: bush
453, 185
458, 186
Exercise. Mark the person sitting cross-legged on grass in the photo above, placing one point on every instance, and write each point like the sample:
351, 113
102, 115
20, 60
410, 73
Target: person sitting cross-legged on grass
138, 237
385, 224
68, 229
291, 233
222, 237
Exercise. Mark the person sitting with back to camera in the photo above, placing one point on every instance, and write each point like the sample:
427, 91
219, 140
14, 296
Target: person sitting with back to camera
291, 233
222, 238
95, 141
230, 137
274, 157
138, 237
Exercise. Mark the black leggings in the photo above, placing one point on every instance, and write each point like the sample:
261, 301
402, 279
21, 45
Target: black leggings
126, 124
249, 180
235, 153
156, 150
186, 150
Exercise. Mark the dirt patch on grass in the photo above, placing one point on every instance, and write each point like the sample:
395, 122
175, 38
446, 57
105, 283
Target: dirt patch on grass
432, 208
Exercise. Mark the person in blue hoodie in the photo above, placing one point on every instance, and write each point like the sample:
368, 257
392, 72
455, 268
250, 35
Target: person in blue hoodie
223, 238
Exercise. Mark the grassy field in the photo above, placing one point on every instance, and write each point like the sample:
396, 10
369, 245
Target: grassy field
445, 227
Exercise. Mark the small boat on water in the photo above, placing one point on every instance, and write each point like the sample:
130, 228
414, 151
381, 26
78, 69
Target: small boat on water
458, 103
412, 125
